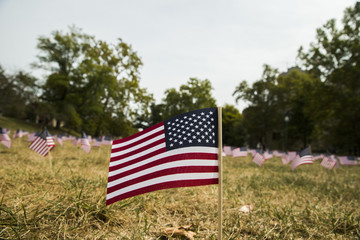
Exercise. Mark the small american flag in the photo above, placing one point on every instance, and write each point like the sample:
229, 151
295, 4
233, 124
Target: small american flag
75, 141
304, 157
65, 137
32, 136
268, 155
179, 152
85, 145
348, 160
7, 131
228, 150
285, 158
329, 162
97, 142
18, 134
277, 153
253, 152
59, 138
4, 138
318, 156
106, 140
240, 152
259, 158
43, 143
292, 155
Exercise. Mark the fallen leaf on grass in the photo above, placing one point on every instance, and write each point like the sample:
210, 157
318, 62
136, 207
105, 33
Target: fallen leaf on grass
179, 232
246, 208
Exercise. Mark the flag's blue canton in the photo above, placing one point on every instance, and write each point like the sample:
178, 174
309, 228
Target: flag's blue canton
260, 151
305, 152
43, 135
195, 128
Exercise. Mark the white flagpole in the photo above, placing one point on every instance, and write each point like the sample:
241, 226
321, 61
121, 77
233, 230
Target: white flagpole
220, 188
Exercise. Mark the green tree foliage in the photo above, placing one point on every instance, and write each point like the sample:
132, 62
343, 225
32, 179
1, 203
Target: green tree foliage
335, 58
297, 96
261, 116
272, 98
322, 99
196, 94
233, 130
92, 85
17, 93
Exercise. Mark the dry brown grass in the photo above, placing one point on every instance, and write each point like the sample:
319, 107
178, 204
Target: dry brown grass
63, 197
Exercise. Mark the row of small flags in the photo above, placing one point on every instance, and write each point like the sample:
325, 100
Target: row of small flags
43, 142
179, 152
295, 159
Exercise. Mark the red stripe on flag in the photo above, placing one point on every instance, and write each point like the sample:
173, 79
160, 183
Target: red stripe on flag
200, 156
164, 172
135, 160
137, 134
153, 144
119, 149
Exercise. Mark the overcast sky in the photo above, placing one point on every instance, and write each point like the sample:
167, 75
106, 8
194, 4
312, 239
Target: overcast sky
223, 41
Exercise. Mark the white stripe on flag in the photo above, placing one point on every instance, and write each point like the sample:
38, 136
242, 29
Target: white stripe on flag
163, 179
169, 165
138, 138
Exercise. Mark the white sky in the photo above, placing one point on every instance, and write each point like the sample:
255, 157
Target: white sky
223, 41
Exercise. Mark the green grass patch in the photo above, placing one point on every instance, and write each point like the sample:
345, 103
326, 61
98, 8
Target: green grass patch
62, 196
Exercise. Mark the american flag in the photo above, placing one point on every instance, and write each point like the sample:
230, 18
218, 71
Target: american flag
318, 156
75, 141
292, 155
348, 160
43, 143
59, 138
285, 158
85, 144
277, 153
253, 152
259, 158
228, 151
240, 152
7, 131
106, 140
4, 138
65, 137
97, 142
304, 157
329, 162
179, 152
32, 136
268, 155
20, 133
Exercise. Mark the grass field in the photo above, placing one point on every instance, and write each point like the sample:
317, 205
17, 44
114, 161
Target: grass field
62, 196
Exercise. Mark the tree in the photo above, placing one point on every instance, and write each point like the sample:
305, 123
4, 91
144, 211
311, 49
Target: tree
17, 93
261, 116
271, 98
233, 130
92, 84
335, 58
196, 94
297, 96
